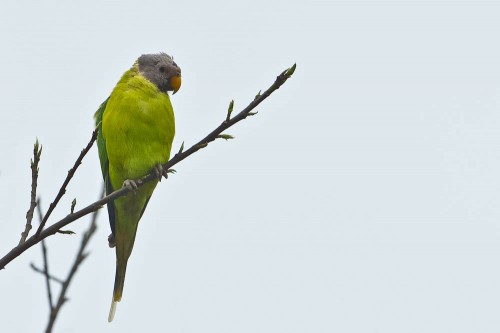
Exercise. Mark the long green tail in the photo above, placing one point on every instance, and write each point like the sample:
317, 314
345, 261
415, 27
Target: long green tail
129, 211
124, 247
118, 289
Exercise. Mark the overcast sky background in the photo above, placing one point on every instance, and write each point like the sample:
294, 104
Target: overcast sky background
364, 196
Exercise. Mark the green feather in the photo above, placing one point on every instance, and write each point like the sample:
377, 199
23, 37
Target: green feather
103, 157
101, 144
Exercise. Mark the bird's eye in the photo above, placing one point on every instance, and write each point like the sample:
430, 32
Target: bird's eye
163, 69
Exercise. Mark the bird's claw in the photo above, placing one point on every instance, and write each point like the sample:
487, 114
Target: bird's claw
111, 240
130, 184
159, 172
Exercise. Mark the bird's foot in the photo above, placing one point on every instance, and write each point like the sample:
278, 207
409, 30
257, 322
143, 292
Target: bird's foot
130, 184
111, 240
159, 172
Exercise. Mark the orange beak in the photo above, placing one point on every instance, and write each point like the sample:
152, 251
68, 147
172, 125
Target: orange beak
175, 83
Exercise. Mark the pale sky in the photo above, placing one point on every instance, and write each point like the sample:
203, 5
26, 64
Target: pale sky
363, 197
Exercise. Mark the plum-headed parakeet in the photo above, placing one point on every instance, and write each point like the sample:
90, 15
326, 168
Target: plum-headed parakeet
135, 131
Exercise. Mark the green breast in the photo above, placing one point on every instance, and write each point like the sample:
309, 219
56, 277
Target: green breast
138, 126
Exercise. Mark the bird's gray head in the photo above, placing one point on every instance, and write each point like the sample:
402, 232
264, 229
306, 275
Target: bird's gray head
161, 70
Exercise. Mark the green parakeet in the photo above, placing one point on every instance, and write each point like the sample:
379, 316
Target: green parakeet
135, 131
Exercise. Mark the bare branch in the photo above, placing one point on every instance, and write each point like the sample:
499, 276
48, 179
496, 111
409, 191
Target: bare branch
41, 271
37, 152
280, 80
18, 250
80, 257
45, 262
62, 190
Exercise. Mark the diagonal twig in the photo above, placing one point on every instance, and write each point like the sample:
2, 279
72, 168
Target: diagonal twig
45, 262
81, 255
18, 250
70, 175
228, 122
41, 271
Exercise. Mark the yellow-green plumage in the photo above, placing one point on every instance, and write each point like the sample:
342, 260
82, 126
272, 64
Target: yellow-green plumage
136, 128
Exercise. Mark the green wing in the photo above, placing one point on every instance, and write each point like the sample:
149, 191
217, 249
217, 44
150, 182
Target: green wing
101, 143
103, 157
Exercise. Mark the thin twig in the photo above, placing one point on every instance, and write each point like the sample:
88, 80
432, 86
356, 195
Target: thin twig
46, 272
280, 80
70, 175
37, 152
41, 271
18, 250
80, 257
